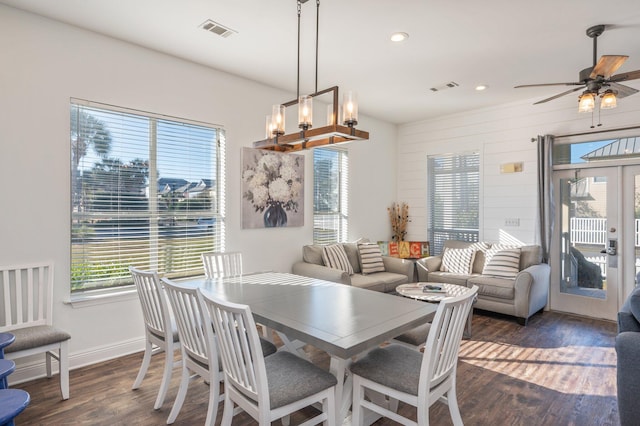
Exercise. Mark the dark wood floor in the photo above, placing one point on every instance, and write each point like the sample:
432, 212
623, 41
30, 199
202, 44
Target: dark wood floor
558, 370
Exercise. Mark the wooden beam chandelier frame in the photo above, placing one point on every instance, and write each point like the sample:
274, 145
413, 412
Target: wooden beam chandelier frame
309, 137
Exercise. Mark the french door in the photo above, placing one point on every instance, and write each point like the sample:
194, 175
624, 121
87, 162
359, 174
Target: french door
586, 258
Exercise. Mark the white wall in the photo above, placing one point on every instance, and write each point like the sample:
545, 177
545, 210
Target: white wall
44, 64
501, 135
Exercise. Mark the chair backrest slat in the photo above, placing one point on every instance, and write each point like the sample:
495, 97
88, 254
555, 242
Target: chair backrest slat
155, 309
222, 265
195, 330
443, 343
27, 295
240, 349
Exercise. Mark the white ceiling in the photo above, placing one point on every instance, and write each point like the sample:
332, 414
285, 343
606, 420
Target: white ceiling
500, 43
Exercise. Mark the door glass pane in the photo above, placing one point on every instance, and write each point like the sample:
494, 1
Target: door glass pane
583, 222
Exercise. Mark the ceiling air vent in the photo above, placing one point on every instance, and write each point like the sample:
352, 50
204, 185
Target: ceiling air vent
215, 28
449, 85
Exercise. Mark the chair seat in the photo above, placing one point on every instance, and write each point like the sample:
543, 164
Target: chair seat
36, 336
7, 367
12, 403
5, 340
268, 348
394, 366
291, 378
416, 336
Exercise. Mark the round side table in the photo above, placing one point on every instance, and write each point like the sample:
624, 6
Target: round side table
415, 291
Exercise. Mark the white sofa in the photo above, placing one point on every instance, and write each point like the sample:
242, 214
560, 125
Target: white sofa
397, 271
521, 296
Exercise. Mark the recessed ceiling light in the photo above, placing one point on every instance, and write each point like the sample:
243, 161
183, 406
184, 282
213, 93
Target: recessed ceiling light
481, 87
397, 37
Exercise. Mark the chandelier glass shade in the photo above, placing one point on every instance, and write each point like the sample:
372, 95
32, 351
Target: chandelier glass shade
308, 136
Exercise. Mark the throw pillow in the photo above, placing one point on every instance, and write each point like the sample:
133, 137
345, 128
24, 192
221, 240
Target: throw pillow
480, 245
503, 263
370, 258
335, 257
634, 303
488, 254
458, 261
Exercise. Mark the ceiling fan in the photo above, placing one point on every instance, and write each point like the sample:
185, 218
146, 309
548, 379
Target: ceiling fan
597, 78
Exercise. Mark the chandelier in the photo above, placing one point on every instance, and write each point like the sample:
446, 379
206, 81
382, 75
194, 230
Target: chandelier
309, 136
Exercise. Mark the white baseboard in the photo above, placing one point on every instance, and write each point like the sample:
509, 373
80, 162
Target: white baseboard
34, 367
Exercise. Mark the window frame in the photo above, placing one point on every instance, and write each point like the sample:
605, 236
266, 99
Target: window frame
212, 198
331, 226
462, 167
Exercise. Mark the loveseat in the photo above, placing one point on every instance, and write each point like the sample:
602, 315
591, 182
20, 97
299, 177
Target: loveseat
394, 271
514, 282
628, 354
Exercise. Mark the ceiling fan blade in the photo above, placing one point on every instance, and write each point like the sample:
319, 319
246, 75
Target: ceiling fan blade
579, 83
625, 76
623, 91
607, 65
558, 95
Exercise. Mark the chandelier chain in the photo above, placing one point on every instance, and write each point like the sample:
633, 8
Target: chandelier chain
317, 37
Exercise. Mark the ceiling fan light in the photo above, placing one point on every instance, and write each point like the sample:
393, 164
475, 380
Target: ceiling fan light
586, 102
609, 100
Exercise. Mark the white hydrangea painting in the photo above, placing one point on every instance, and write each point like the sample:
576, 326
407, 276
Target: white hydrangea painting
272, 189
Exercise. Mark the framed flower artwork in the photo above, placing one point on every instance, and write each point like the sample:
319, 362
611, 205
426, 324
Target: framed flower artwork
272, 189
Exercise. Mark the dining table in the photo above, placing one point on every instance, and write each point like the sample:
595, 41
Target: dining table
342, 320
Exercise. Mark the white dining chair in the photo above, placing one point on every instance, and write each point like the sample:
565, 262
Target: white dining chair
404, 374
229, 264
222, 264
265, 388
160, 331
199, 348
199, 353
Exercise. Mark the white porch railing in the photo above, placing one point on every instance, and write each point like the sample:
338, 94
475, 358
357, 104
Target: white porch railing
594, 231
589, 231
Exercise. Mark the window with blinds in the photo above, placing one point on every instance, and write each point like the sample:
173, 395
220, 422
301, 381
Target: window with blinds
454, 198
330, 195
146, 190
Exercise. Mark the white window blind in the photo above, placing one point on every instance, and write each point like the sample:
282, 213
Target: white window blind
453, 193
330, 195
146, 191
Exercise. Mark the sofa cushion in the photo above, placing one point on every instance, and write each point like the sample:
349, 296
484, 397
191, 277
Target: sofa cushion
632, 304
448, 278
627, 322
458, 261
499, 288
352, 254
335, 257
370, 258
312, 254
379, 281
478, 262
529, 256
504, 263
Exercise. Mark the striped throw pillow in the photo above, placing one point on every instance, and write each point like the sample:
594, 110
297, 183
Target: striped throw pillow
457, 261
335, 257
502, 262
370, 258
495, 248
